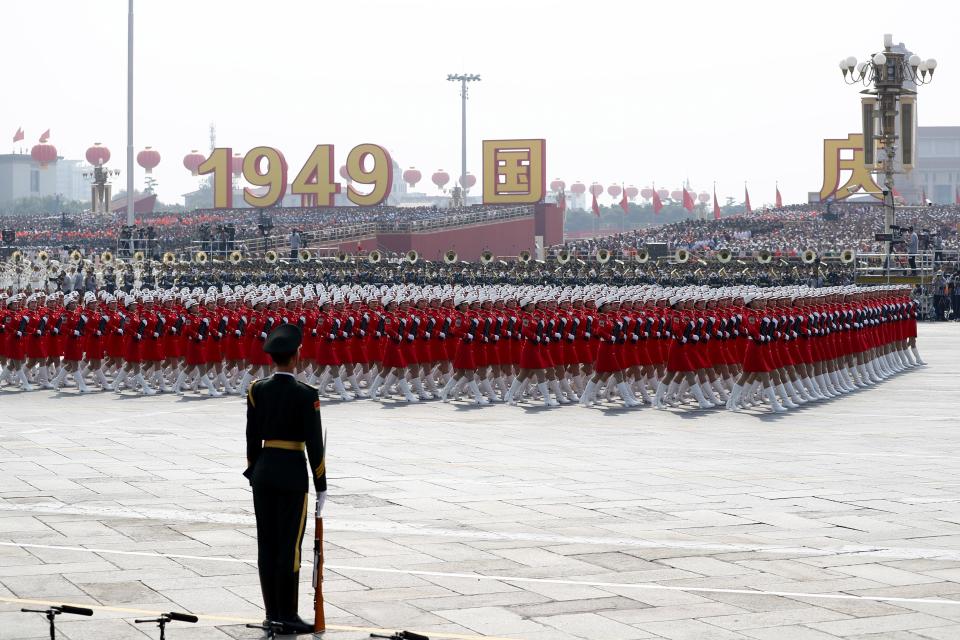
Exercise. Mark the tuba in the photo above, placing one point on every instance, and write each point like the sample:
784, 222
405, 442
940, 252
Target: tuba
169, 258
764, 257
303, 256
603, 256
642, 256
724, 255
270, 256
846, 256
200, 257
106, 258
139, 257
43, 257
524, 256
76, 257
54, 271
486, 257
235, 257
563, 257
16, 257
343, 256
412, 256
450, 256
808, 256
681, 256
374, 257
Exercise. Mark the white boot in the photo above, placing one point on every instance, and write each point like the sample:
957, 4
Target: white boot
586, 398
144, 387
342, 390
545, 393
554, 386
568, 389
733, 402
698, 394
452, 382
405, 390
208, 383
658, 397
786, 401
772, 399
625, 394
24, 380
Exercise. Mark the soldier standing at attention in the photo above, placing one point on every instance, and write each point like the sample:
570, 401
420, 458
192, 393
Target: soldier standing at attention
283, 420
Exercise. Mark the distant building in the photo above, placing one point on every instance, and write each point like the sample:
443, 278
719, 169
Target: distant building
21, 177
937, 170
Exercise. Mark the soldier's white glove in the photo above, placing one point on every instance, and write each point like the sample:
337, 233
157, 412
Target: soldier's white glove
119, 332
443, 336
155, 334
75, 333
426, 335
570, 336
263, 335
321, 500
236, 332
410, 336
586, 335
20, 334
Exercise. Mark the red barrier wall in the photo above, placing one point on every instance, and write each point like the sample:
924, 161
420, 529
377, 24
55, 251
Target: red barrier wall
506, 238
549, 223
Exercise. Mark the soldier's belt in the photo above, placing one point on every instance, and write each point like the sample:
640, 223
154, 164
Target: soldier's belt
289, 445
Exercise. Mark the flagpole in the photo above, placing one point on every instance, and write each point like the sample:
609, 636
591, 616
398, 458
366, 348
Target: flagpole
130, 203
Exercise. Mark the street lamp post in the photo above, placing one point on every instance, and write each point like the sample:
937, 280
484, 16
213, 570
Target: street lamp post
885, 74
463, 79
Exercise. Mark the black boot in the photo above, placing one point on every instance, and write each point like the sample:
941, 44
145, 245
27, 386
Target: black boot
288, 592
267, 588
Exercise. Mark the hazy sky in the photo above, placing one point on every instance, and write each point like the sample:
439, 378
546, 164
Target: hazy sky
632, 92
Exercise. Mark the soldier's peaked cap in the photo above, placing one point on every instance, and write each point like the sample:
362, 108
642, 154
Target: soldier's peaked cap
284, 339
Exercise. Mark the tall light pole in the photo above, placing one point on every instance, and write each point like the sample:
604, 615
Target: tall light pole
463, 79
130, 217
886, 74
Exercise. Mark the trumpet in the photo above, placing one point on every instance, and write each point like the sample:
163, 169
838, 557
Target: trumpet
303, 256
450, 256
846, 256
681, 255
412, 256
486, 257
563, 257
374, 257
524, 256
642, 256
76, 257
139, 257
808, 256
764, 257
43, 257
343, 256
724, 255
270, 256
200, 257
169, 258
603, 256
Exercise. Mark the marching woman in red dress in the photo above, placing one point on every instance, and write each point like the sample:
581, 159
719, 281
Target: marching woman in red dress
75, 328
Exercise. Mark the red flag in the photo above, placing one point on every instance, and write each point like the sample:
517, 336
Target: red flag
687, 200
595, 207
779, 200
746, 199
18, 136
624, 203
716, 205
45, 136
657, 202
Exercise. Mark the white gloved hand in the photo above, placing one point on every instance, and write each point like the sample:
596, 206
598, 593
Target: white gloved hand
321, 500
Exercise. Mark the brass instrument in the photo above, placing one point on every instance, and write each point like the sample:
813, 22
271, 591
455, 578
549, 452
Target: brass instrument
642, 256
846, 256
374, 257
235, 257
139, 257
603, 256
808, 256
16, 257
681, 256
564, 256
412, 256
343, 257
200, 257
764, 257
486, 257
525, 256
43, 257
271, 256
450, 256
76, 257
303, 256
169, 258
106, 258
724, 255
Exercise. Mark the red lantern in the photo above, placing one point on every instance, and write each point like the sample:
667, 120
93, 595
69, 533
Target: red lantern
677, 195
468, 180
646, 193
44, 154
704, 197
236, 164
440, 178
557, 185
98, 154
148, 159
344, 174
578, 188
411, 176
596, 188
192, 161
614, 190
631, 192
663, 193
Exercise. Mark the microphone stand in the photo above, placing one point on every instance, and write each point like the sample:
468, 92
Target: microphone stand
53, 612
168, 617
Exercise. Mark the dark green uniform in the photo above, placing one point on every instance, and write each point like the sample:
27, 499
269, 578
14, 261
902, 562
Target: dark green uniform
283, 420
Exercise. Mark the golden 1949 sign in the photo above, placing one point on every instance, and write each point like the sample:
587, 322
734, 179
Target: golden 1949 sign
513, 172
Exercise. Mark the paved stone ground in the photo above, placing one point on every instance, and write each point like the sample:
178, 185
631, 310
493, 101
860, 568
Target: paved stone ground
839, 520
